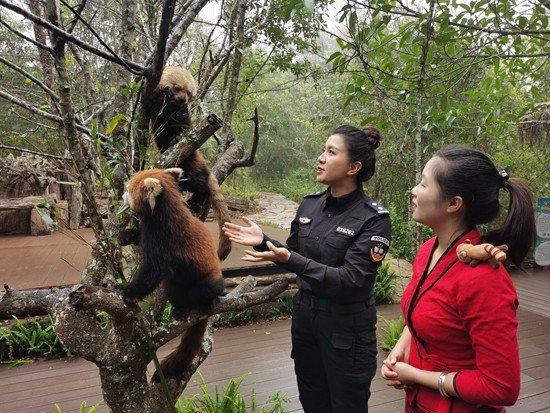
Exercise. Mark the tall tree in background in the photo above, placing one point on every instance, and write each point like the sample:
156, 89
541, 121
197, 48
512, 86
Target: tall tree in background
421, 60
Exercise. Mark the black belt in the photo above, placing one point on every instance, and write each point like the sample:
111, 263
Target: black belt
325, 304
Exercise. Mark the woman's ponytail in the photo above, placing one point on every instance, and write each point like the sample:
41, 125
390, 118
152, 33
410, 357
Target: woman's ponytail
471, 175
518, 229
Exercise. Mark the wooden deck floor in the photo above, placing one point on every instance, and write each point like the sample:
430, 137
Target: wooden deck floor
262, 351
59, 259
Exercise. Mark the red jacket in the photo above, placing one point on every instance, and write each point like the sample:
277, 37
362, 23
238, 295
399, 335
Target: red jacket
462, 319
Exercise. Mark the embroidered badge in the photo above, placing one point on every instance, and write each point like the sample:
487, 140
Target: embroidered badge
380, 239
345, 231
378, 251
304, 220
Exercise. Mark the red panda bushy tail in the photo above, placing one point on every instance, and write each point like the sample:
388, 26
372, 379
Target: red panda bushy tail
177, 362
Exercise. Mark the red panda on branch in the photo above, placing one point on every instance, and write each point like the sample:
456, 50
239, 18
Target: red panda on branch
168, 113
176, 247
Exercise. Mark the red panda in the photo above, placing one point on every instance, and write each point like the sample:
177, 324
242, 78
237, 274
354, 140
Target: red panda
168, 114
176, 247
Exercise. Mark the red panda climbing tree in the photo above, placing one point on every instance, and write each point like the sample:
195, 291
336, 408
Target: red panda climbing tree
123, 352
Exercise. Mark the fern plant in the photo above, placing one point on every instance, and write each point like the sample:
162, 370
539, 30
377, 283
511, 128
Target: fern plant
83, 408
229, 400
385, 285
29, 340
391, 333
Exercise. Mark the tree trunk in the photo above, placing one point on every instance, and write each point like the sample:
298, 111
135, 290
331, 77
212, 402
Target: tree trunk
234, 78
45, 58
125, 388
420, 106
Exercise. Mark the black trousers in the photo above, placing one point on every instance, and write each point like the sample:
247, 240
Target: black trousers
334, 354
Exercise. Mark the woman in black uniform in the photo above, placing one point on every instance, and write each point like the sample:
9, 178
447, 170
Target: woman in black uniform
337, 242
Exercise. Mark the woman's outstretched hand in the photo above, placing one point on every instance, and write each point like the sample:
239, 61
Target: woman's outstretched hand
275, 254
250, 235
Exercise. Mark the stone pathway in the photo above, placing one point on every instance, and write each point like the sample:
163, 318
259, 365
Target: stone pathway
275, 209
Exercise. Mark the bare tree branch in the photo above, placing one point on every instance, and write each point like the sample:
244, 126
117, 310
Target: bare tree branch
225, 304
27, 38
46, 155
136, 68
157, 64
94, 298
180, 29
208, 81
30, 302
46, 60
96, 35
197, 136
78, 11
234, 76
58, 119
249, 160
22, 71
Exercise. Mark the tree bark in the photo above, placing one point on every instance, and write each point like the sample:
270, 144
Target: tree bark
46, 61
420, 105
121, 352
234, 77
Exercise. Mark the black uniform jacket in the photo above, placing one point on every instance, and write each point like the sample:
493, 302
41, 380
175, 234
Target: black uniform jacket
337, 245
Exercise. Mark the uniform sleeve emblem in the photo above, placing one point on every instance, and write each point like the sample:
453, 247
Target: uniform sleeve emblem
380, 239
304, 220
378, 251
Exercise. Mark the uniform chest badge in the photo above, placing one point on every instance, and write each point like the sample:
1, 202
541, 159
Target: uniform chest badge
304, 220
345, 231
378, 251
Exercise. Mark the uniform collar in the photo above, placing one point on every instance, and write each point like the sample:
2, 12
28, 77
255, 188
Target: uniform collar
344, 200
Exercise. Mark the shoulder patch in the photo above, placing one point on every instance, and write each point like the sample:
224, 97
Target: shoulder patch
376, 206
315, 194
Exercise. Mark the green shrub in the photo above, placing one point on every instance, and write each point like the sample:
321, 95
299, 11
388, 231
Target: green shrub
83, 408
29, 340
385, 285
229, 400
391, 333
234, 318
403, 243
282, 310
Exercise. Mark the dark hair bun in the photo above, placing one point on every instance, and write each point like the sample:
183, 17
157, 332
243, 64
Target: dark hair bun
373, 134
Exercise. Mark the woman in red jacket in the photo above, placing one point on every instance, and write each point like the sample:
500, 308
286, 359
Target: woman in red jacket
459, 352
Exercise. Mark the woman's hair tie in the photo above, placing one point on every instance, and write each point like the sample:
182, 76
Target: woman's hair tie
504, 177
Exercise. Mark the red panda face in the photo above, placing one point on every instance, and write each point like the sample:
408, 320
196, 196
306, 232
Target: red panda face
180, 82
148, 185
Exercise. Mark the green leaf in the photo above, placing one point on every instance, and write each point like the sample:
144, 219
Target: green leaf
45, 215
353, 23
523, 22
309, 5
144, 304
113, 124
334, 56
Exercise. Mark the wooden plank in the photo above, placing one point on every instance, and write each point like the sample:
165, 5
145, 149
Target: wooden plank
241, 350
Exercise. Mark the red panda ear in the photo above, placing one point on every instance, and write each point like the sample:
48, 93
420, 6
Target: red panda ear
153, 188
177, 173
